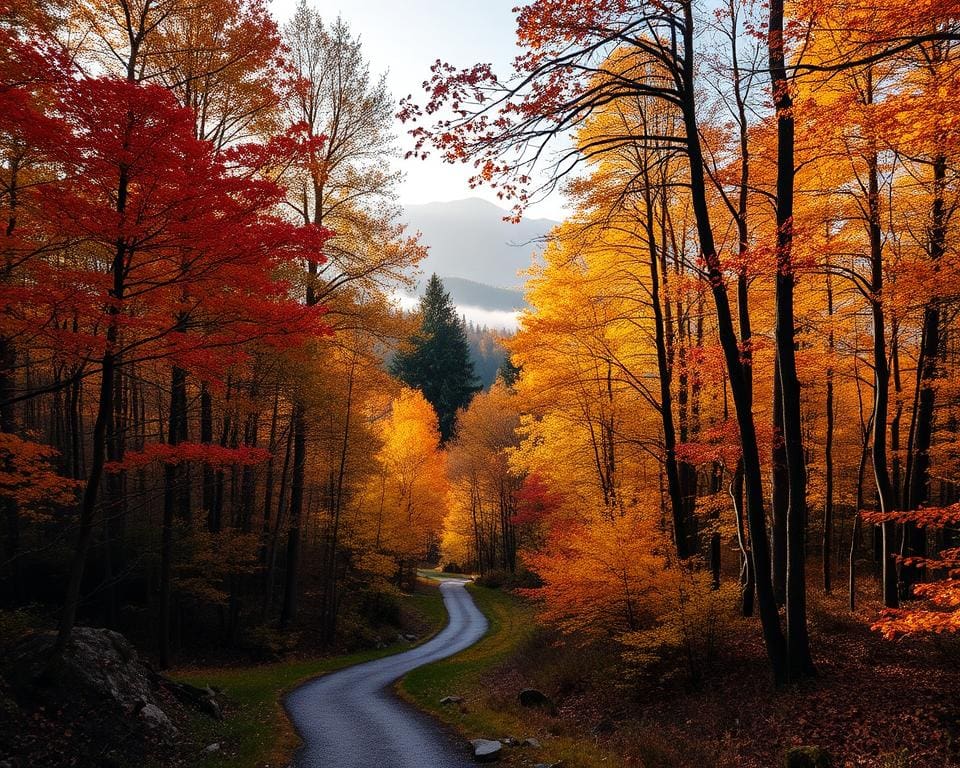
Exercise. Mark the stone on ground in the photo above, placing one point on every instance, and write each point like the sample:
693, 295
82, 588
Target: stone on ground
486, 750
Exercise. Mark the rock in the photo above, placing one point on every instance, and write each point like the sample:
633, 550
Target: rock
808, 757
410, 638
108, 707
211, 748
451, 700
531, 742
486, 750
509, 741
98, 660
531, 697
156, 718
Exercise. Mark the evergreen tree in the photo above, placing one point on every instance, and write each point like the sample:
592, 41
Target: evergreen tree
508, 372
438, 361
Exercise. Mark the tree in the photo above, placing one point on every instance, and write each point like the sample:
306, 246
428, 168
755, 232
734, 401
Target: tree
344, 183
504, 127
405, 500
160, 247
483, 488
940, 610
438, 361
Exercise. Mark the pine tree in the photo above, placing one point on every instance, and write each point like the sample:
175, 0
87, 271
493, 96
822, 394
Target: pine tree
508, 372
438, 361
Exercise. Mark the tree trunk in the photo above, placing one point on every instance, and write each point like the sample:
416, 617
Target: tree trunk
330, 598
208, 480
288, 612
674, 490
779, 491
8, 505
827, 544
173, 475
270, 578
769, 618
918, 485
881, 471
88, 504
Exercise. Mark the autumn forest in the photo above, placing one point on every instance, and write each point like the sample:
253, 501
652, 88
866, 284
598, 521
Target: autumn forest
707, 513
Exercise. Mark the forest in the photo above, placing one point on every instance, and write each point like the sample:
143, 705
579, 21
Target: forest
716, 463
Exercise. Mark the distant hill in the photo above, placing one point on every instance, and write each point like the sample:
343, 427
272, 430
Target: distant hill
469, 239
473, 294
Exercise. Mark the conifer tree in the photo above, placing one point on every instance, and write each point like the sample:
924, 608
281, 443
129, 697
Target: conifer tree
438, 361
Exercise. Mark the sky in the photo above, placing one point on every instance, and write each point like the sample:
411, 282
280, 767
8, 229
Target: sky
403, 38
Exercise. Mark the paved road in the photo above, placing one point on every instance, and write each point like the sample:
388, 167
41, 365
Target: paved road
351, 719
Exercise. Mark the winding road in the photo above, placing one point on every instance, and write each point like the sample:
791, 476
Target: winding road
351, 719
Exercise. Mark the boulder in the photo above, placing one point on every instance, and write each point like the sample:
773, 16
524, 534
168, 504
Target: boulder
451, 700
530, 742
808, 757
98, 661
111, 709
531, 697
98, 665
486, 750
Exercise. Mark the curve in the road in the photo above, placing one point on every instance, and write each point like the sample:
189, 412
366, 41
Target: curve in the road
351, 719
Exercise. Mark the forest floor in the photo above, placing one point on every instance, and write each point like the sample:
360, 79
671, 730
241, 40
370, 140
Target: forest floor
874, 704
255, 732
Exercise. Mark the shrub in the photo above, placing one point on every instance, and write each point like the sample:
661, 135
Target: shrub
521, 579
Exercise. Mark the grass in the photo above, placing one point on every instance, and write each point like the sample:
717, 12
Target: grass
489, 710
256, 732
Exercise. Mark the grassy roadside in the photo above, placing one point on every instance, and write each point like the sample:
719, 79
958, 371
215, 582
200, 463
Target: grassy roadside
490, 708
256, 732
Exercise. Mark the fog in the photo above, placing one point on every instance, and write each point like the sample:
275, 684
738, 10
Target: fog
495, 319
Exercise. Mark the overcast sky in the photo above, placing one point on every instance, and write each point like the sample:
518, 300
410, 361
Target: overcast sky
403, 38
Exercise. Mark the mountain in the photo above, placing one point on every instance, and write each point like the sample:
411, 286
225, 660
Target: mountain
472, 294
469, 239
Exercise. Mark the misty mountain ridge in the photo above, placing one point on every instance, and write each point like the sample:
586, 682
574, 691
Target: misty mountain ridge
468, 293
469, 240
